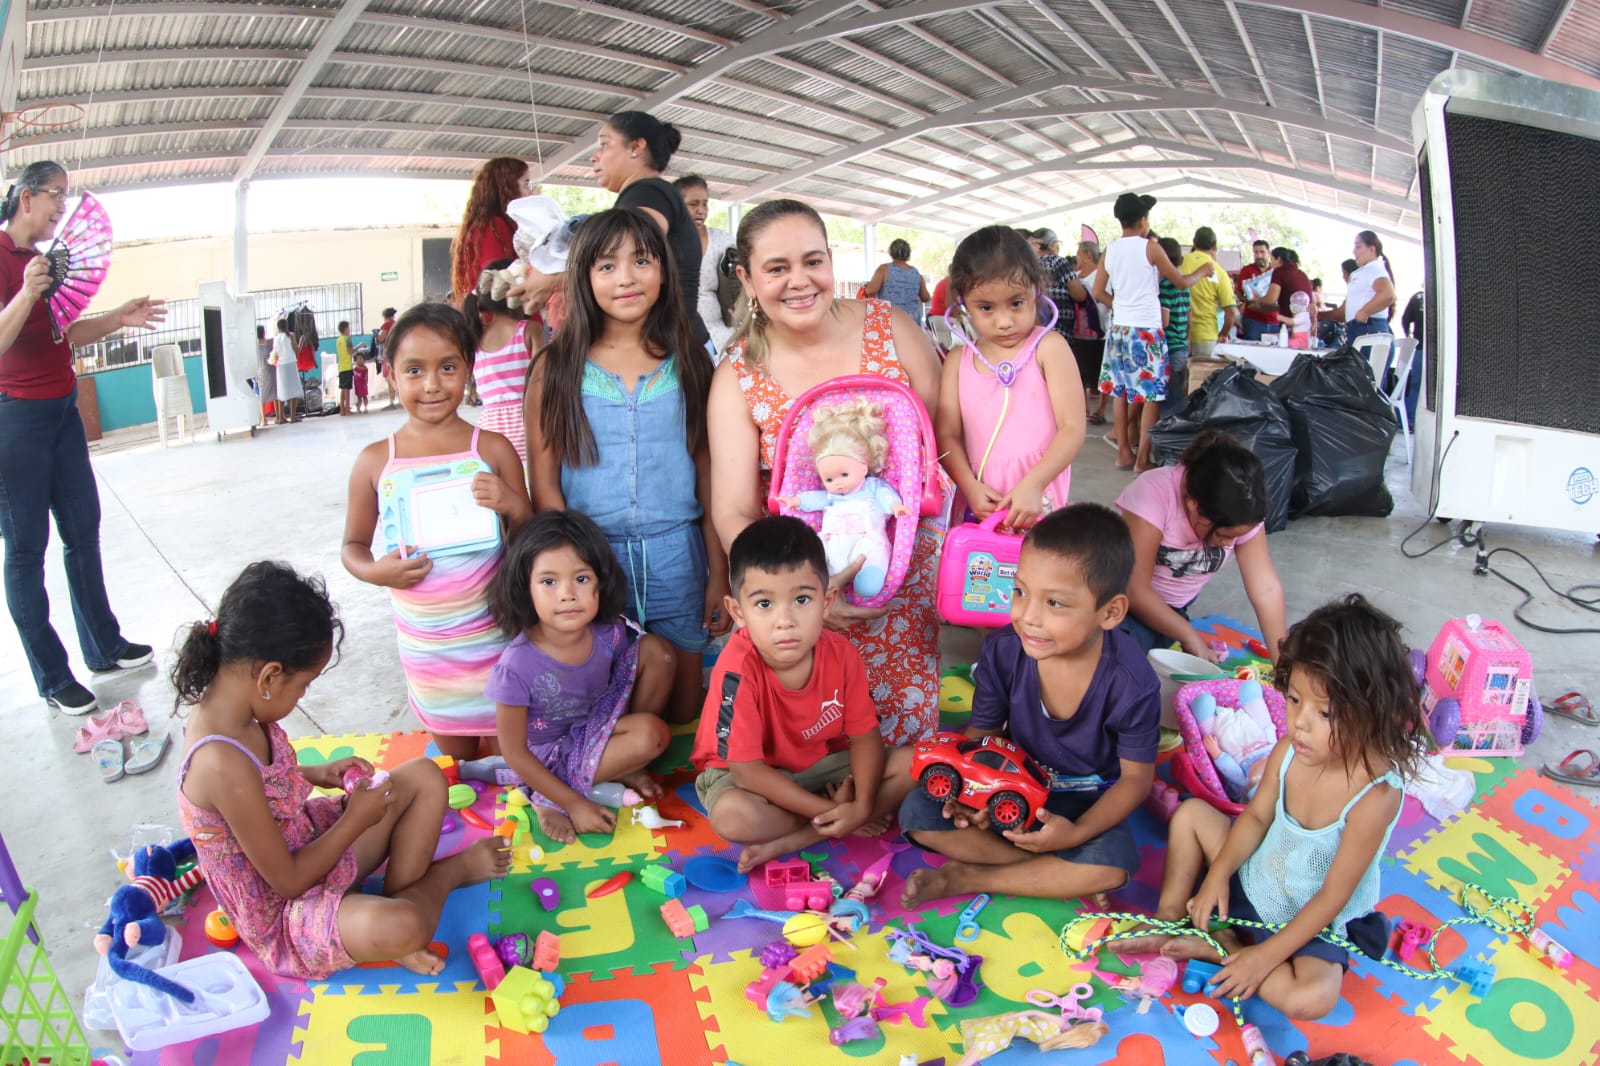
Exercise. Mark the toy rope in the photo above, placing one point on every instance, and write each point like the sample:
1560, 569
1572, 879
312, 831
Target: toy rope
1517, 918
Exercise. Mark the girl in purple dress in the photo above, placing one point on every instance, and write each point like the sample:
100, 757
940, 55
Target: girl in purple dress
578, 700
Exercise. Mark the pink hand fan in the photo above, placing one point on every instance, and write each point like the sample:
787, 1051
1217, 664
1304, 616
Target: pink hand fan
78, 257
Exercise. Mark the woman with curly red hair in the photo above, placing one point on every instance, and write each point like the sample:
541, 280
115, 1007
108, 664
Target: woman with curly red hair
485, 233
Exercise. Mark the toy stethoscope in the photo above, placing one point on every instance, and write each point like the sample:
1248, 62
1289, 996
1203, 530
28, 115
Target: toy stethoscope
1006, 370
1068, 1003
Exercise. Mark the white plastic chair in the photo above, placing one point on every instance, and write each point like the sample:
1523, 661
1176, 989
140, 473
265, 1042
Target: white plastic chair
1376, 347
1405, 350
171, 386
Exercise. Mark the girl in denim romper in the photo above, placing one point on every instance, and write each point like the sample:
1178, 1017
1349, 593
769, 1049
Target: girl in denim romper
616, 429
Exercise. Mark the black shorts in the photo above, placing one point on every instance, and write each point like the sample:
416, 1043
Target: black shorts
1089, 353
347, 378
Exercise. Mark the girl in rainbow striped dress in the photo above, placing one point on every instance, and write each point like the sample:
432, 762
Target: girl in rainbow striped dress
448, 640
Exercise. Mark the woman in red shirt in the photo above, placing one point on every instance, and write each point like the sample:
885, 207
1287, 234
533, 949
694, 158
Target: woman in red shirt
485, 233
44, 454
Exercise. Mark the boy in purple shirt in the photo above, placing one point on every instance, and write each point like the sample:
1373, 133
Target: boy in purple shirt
1074, 692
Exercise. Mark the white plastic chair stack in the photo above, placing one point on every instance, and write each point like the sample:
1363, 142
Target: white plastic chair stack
1405, 350
171, 387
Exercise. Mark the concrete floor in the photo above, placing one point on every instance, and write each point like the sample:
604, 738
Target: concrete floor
180, 522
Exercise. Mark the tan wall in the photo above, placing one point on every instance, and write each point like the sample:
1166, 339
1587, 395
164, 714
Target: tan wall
174, 269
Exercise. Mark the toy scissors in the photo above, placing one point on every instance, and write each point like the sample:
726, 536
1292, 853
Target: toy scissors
1068, 1003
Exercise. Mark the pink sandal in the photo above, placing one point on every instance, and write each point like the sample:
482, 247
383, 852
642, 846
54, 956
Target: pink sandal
126, 719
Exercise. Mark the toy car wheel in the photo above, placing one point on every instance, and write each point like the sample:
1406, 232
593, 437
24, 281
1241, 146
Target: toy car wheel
940, 782
1445, 722
1008, 810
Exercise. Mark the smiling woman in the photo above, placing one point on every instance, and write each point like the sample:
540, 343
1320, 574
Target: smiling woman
794, 337
44, 455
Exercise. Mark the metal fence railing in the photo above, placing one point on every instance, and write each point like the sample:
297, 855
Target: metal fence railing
330, 304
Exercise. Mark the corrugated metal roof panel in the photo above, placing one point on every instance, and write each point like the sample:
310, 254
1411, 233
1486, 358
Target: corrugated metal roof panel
1578, 41
1522, 22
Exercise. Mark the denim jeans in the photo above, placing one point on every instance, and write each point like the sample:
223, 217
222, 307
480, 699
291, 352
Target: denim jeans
1251, 329
44, 470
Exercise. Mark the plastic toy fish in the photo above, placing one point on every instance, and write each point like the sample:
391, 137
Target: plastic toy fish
743, 908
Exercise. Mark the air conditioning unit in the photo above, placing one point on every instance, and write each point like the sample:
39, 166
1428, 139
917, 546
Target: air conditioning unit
1508, 427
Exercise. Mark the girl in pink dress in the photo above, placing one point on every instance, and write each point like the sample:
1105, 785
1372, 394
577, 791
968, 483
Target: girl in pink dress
285, 865
503, 344
1009, 422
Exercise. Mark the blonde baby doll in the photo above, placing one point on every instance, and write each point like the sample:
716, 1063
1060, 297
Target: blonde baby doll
849, 448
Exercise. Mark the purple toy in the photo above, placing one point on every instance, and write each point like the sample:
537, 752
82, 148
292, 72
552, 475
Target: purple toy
545, 890
862, 1028
514, 949
776, 955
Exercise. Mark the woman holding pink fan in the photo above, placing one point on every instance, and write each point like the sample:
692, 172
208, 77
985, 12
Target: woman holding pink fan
44, 455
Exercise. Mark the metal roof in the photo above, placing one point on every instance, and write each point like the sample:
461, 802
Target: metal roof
938, 114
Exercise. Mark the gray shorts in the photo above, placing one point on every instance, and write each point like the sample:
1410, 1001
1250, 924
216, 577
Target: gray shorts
920, 813
828, 770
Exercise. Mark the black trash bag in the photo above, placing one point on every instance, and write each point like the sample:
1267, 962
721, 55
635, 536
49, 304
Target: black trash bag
1342, 430
1233, 401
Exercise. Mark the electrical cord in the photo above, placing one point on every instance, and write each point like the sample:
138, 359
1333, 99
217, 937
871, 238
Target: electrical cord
1577, 595
1589, 603
1433, 507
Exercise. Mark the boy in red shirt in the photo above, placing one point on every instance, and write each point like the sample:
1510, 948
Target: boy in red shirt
788, 747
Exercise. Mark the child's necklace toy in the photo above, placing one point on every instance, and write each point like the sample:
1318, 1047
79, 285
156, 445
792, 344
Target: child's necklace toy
1481, 909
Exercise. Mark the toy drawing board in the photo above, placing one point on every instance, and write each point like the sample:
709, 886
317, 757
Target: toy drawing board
431, 509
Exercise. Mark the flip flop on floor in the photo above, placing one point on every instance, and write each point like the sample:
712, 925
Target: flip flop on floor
144, 752
108, 756
1573, 705
1580, 767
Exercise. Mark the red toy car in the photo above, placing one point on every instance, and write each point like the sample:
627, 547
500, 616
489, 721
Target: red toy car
984, 772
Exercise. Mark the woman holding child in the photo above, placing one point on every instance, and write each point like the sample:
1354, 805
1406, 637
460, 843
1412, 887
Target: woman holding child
797, 336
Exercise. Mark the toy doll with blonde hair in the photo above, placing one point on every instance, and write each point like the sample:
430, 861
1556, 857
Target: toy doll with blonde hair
849, 447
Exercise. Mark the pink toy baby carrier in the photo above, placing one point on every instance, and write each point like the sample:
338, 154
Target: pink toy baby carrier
1192, 767
911, 469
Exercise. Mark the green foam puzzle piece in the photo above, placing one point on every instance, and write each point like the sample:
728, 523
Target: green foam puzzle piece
310, 756
652, 943
406, 1039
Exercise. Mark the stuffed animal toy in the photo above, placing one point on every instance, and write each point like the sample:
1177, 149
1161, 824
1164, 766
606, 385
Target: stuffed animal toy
136, 913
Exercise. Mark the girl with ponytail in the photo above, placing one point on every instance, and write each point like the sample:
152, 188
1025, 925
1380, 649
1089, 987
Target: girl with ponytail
285, 865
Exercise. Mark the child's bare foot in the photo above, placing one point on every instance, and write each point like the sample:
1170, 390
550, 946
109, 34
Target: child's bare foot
556, 825
929, 884
484, 860
642, 783
1152, 942
755, 854
425, 961
874, 827
1192, 947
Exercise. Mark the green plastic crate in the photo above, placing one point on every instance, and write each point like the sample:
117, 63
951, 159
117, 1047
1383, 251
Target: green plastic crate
37, 1023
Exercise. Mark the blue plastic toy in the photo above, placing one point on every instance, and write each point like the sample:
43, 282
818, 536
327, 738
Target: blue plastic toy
432, 509
1199, 975
1477, 976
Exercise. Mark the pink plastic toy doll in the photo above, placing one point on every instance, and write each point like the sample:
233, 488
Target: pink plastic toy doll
849, 447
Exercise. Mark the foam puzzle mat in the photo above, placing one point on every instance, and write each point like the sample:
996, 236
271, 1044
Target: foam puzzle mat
638, 996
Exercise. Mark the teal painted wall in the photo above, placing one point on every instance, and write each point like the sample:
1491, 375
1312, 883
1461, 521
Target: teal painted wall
127, 394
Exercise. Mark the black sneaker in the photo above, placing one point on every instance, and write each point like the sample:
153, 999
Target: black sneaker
74, 700
132, 655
